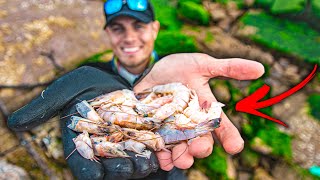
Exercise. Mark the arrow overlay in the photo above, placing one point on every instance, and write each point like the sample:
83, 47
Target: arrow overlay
250, 104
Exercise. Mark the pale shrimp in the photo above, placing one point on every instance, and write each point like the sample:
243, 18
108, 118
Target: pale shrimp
80, 124
130, 120
137, 147
150, 139
172, 134
87, 111
197, 114
181, 97
107, 149
119, 97
84, 146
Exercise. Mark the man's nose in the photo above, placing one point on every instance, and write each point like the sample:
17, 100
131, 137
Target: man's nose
130, 35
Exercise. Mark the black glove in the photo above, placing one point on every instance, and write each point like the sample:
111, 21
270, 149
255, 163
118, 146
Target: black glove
83, 83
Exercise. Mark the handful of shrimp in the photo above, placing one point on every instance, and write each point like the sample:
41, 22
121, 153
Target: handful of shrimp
157, 119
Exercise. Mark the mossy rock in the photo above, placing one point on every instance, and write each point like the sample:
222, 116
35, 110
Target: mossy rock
315, 6
278, 141
166, 14
169, 42
285, 6
194, 12
215, 165
314, 104
293, 38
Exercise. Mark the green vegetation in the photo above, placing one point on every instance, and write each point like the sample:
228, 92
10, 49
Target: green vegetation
209, 37
296, 39
169, 42
214, 166
314, 103
194, 12
315, 5
282, 6
264, 3
166, 14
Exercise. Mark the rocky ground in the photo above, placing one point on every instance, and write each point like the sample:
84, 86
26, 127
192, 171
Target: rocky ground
40, 40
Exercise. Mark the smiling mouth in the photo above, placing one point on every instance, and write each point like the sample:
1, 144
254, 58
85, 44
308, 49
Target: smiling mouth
131, 49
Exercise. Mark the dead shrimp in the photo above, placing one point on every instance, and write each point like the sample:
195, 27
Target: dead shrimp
180, 99
122, 118
120, 97
84, 146
80, 124
196, 114
150, 139
172, 134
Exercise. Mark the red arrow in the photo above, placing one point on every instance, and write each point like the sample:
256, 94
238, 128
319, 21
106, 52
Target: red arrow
250, 104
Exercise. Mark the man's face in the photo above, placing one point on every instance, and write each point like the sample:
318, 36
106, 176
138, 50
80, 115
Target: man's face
132, 41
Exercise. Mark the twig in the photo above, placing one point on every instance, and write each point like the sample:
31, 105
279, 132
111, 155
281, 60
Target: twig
36, 156
50, 56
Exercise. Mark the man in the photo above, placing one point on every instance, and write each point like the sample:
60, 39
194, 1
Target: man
132, 30
132, 33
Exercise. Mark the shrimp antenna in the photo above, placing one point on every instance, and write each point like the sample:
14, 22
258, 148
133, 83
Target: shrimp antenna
177, 157
69, 115
71, 153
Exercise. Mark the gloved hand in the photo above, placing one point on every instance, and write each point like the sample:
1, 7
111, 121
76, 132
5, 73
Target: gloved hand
61, 96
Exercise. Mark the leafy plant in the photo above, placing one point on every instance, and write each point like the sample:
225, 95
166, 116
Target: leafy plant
194, 12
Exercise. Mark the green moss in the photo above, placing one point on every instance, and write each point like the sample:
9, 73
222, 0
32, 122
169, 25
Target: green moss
264, 3
214, 166
209, 37
194, 12
169, 42
285, 6
296, 39
278, 141
195, 1
96, 58
315, 5
166, 14
314, 105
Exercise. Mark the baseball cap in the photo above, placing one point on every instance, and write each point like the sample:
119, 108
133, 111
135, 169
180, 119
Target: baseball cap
138, 9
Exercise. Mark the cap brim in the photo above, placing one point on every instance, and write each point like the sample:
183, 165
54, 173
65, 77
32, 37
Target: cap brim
135, 14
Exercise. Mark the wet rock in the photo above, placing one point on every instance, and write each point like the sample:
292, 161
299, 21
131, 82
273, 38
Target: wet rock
259, 146
261, 174
10, 171
196, 175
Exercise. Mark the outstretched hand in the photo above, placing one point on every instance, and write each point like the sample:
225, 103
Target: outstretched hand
195, 70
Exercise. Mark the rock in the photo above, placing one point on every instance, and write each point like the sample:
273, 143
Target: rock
259, 146
231, 169
9, 171
196, 175
261, 174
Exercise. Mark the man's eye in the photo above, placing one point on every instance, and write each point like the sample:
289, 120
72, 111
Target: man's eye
117, 29
138, 26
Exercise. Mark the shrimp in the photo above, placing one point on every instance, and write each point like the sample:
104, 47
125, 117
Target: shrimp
104, 148
150, 139
87, 111
172, 134
197, 115
136, 147
119, 97
84, 146
181, 97
130, 120
79, 124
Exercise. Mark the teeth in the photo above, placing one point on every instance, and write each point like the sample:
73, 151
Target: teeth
133, 49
